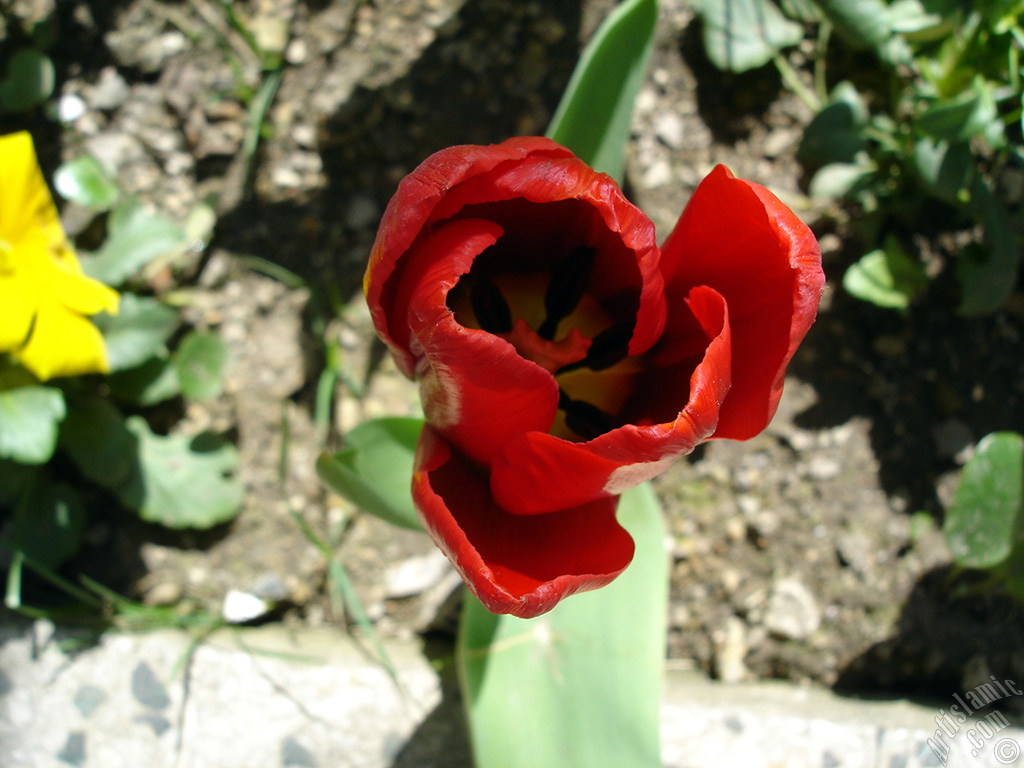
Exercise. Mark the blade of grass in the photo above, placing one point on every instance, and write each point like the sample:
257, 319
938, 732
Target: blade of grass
341, 587
49, 575
12, 596
325, 388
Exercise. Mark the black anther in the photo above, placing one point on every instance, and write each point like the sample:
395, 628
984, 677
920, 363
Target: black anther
491, 309
568, 283
585, 419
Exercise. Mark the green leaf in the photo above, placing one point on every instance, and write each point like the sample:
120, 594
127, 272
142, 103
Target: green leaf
151, 382
138, 332
136, 237
84, 181
374, 470
199, 362
594, 115
29, 82
958, 119
987, 276
984, 522
745, 34
801, 10
29, 422
866, 24
580, 686
94, 435
886, 277
835, 134
841, 179
13, 478
182, 483
911, 19
945, 169
49, 521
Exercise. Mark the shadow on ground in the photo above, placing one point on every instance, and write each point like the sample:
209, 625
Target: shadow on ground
500, 73
953, 634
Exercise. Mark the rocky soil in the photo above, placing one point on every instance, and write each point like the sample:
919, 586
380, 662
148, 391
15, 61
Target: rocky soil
796, 555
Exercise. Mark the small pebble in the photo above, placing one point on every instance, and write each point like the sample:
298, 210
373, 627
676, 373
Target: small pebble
792, 612
240, 607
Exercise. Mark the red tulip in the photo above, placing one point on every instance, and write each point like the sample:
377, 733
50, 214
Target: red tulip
564, 358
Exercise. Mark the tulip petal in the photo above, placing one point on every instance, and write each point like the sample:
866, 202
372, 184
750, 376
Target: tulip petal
412, 206
738, 238
522, 565
539, 473
458, 180
475, 388
560, 202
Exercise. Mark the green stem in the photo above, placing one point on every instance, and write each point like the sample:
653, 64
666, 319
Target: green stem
792, 79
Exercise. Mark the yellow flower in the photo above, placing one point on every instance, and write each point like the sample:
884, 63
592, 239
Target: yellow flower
44, 296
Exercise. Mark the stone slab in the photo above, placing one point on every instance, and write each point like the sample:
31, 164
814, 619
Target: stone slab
272, 698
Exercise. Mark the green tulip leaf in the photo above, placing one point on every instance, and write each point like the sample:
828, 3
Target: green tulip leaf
181, 482
29, 82
199, 362
886, 277
30, 418
136, 237
96, 438
49, 520
986, 519
374, 470
138, 332
740, 35
582, 683
83, 181
593, 118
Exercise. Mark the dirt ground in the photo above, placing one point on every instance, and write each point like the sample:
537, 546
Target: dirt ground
796, 555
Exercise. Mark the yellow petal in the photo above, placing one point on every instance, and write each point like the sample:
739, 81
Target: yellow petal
25, 202
18, 300
79, 292
63, 343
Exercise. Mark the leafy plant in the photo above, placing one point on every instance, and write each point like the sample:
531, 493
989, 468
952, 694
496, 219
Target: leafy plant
68, 444
27, 75
922, 142
984, 525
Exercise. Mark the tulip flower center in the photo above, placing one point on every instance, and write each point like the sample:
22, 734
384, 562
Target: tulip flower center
554, 320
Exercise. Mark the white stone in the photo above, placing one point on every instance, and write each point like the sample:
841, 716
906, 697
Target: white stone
792, 610
240, 607
70, 107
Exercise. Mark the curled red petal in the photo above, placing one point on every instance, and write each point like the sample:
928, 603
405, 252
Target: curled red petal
413, 205
538, 473
522, 565
741, 240
584, 207
470, 378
